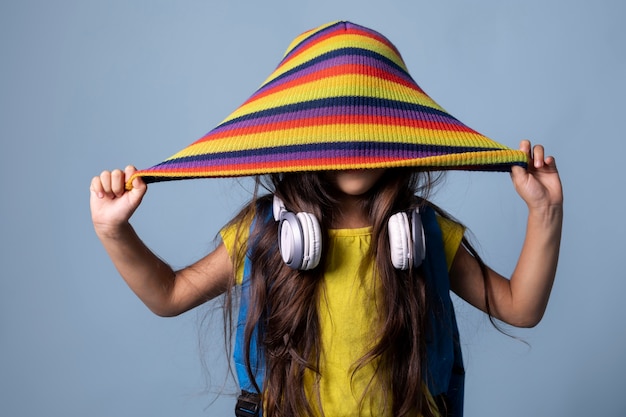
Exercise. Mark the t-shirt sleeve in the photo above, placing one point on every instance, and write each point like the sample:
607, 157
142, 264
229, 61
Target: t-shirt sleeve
452, 234
235, 236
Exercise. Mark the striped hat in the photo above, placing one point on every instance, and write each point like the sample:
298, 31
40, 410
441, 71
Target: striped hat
341, 98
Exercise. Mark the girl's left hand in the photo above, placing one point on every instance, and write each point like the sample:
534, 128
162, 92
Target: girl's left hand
539, 185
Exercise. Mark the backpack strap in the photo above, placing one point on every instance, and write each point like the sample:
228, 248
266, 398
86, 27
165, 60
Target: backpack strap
256, 360
446, 375
249, 402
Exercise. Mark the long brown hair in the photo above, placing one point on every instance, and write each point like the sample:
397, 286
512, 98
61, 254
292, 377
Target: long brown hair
283, 302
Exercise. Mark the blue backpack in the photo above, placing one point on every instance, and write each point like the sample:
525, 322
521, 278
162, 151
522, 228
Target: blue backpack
446, 375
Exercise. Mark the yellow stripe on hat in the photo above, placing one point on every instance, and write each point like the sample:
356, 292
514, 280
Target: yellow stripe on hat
334, 133
337, 86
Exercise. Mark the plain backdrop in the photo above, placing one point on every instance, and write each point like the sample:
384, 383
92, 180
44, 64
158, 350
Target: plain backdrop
91, 85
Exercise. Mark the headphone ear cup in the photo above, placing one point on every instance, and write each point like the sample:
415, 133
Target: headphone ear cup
299, 237
290, 240
400, 241
311, 239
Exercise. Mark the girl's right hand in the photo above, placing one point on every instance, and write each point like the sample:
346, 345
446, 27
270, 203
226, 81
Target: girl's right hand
111, 204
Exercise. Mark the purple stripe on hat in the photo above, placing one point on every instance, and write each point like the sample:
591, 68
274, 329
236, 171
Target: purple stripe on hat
440, 118
292, 157
333, 61
291, 154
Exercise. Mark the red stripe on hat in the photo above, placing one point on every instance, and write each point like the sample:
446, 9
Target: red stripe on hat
339, 119
339, 70
309, 43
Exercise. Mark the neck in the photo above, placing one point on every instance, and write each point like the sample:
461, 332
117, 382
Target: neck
351, 213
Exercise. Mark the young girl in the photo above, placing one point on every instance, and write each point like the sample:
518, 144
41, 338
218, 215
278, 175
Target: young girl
344, 266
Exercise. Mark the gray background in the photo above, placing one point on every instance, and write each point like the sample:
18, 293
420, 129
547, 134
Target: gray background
92, 85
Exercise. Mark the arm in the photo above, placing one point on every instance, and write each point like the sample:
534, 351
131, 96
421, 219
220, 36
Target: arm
164, 291
522, 299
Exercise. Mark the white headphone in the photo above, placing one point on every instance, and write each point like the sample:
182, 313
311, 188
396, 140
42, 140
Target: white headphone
407, 242
300, 238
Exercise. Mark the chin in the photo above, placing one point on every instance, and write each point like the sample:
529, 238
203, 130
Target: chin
356, 182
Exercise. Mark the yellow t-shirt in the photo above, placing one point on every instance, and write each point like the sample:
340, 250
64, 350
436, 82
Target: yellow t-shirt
347, 314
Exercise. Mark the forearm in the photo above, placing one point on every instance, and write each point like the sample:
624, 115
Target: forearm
150, 278
521, 300
531, 282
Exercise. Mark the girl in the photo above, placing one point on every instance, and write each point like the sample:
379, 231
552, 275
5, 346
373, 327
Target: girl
345, 305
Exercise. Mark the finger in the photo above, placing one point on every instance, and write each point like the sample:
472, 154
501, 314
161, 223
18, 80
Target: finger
538, 156
134, 182
129, 171
105, 181
550, 162
96, 187
139, 184
117, 182
524, 146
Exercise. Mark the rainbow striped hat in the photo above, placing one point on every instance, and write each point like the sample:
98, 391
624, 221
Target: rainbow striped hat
341, 98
